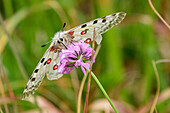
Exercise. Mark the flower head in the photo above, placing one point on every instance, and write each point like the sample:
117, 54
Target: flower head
76, 54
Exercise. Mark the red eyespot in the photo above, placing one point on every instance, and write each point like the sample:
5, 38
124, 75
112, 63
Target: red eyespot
52, 48
88, 40
55, 67
71, 32
83, 32
49, 60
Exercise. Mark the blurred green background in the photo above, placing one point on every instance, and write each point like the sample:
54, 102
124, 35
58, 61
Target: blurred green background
123, 64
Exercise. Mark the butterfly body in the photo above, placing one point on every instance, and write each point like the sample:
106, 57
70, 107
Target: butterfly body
48, 64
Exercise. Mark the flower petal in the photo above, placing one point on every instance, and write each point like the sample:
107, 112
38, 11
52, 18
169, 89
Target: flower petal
76, 54
84, 71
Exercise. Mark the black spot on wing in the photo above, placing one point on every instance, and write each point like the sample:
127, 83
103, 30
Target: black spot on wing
95, 22
113, 14
42, 60
104, 20
83, 25
36, 70
45, 63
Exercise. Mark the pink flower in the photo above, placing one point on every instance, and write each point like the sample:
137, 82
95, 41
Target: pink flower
76, 54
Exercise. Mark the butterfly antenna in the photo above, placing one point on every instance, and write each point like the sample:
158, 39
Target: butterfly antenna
46, 44
63, 26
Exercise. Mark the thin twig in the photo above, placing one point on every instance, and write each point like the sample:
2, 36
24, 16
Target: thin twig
88, 87
23, 71
5, 78
80, 93
162, 61
158, 87
11, 94
150, 3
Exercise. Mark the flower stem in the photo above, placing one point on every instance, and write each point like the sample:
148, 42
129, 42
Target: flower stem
104, 92
91, 63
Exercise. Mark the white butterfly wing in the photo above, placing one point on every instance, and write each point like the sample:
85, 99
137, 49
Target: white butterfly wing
85, 31
53, 72
47, 66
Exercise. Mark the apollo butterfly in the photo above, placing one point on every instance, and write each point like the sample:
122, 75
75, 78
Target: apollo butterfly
48, 64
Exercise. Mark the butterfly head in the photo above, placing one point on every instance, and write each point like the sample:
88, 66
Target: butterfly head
58, 34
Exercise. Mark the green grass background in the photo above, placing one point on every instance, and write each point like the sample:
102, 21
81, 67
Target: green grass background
123, 65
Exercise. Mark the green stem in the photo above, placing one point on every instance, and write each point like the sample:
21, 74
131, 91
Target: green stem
104, 92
